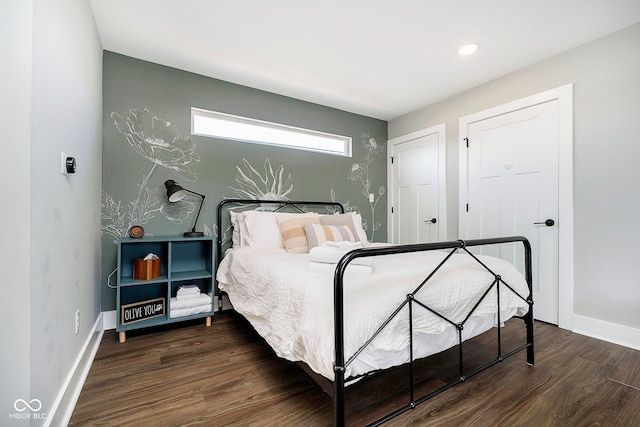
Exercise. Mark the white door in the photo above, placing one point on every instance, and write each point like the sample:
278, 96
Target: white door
513, 191
417, 187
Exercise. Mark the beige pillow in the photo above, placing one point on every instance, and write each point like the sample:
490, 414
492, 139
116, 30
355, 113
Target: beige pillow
292, 229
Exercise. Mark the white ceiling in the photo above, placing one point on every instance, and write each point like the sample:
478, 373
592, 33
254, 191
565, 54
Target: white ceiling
379, 58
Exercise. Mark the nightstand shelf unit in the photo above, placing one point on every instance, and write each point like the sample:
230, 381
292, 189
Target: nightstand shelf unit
145, 303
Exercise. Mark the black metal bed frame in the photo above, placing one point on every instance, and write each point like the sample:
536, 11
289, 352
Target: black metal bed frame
336, 389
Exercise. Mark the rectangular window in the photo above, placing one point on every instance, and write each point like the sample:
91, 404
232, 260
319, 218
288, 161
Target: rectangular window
227, 126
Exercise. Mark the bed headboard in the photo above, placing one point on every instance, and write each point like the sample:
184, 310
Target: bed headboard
223, 220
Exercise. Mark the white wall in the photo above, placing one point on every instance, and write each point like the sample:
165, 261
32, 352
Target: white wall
15, 208
67, 115
606, 172
54, 221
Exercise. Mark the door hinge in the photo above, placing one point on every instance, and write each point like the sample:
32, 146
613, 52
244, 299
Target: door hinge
467, 207
467, 141
391, 159
391, 209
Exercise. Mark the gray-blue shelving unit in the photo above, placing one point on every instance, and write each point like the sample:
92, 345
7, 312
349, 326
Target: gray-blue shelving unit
146, 303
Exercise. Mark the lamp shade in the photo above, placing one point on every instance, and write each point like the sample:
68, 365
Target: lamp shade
175, 192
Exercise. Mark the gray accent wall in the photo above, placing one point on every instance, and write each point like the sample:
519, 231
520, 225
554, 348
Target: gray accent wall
606, 154
146, 140
51, 101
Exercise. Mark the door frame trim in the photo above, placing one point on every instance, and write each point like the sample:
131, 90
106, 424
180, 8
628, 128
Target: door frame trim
441, 131
564, 96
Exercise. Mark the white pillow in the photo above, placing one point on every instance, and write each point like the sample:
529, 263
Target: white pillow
262, 231
239, 229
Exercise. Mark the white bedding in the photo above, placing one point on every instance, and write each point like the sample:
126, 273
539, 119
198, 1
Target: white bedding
291, 304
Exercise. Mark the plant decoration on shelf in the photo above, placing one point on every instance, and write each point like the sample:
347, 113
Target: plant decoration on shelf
161, 143
360, 173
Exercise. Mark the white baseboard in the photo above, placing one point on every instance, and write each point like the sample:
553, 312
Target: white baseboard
607, 331
109, 320
62, 409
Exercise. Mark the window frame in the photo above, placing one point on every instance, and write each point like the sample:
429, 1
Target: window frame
346, 141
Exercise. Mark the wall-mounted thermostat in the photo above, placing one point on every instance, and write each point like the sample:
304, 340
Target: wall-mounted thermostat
68, 164
71, 164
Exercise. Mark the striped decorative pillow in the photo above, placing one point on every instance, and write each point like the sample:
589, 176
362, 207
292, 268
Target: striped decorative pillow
350, 219
317, 234
292, 229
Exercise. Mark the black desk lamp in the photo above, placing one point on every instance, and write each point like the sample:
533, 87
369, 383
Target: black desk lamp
175, 193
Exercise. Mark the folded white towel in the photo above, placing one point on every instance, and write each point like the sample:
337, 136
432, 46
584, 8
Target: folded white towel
188, 296
188, 290
343, 244
332, 254
196, 300
323, 267
181, 312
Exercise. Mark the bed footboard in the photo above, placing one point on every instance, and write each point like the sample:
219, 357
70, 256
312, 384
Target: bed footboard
337, 388
340, 364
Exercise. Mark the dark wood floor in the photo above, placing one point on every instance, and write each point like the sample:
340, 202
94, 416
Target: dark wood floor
225, 375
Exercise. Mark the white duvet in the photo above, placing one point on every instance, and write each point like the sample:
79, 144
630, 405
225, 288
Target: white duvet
290, 304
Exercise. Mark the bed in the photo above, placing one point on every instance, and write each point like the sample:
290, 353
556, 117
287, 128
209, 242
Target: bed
380, 305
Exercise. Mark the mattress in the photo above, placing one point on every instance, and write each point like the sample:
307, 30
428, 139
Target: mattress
290, 304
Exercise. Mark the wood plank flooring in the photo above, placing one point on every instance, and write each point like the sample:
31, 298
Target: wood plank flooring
225, 375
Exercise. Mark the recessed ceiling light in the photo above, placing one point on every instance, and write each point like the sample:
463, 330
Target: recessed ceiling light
467, 49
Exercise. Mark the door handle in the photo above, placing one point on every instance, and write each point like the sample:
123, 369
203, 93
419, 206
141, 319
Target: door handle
432, 221
548, 223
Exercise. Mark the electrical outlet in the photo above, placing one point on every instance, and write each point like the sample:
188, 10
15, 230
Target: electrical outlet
77, 320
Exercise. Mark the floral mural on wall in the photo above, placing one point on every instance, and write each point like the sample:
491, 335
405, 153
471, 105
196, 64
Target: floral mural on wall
270, 185
359, 174
161, 143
